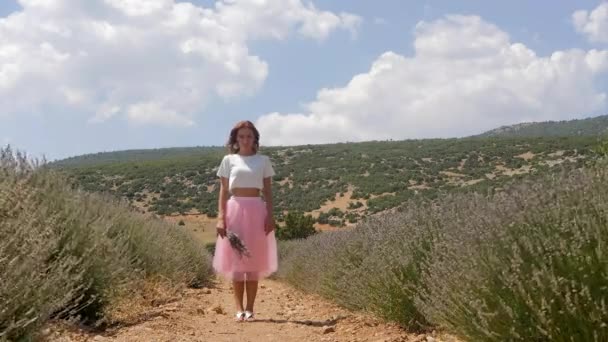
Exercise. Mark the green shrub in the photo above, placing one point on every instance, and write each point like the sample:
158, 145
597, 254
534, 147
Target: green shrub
210, 248
529, 265
297, 226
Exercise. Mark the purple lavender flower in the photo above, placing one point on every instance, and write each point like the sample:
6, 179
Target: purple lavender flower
237, 244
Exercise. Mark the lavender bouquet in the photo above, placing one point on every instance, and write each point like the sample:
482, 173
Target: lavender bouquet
237, 244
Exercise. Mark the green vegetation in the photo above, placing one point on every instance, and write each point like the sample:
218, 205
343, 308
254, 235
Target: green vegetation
525, 264
380, 175
590, 126
601, 149
65, 253
297, 226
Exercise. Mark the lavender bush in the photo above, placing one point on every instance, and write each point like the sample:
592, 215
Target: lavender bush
374, 267
530, 265
301, 258
527, 264
68, 254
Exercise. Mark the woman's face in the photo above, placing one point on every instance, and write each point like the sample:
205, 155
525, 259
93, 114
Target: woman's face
245, 139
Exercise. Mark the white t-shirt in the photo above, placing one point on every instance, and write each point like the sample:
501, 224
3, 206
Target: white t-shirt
245, 171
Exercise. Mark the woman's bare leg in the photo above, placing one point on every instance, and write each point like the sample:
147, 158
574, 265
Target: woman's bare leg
239, 288
252, 290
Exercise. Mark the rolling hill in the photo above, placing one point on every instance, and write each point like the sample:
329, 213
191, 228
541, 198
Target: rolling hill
595, 126
337, 183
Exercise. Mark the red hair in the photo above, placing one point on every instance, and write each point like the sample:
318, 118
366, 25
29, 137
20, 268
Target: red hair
233, 146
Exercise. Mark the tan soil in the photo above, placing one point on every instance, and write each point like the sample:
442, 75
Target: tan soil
461, 165
202, 226
557, 153
382, 194
511, 172
419, 187
338, 202
473, 182
526, 156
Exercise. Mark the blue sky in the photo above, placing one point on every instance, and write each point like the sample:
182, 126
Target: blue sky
378, 83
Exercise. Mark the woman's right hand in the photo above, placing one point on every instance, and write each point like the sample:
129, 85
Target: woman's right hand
220, 227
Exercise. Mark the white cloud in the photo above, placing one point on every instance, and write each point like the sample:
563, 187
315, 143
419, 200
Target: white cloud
151, 61
465, 76
594, 24
151, 112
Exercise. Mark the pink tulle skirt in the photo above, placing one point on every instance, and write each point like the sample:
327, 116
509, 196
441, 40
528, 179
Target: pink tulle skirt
245, 216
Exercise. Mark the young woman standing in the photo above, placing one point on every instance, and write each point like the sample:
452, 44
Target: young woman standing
245, 175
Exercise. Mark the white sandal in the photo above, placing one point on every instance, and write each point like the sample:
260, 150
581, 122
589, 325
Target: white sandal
249, 316
240, 316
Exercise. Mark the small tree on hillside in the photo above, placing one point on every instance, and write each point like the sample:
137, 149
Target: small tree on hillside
600, 153
297, 226
601, 149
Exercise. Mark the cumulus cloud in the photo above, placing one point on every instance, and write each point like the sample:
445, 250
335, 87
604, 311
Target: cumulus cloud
465, 76
150, 61
593, 24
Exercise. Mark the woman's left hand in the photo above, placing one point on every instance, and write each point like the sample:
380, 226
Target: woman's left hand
269, 224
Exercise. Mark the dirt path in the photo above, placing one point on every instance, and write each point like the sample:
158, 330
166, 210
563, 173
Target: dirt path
283, 314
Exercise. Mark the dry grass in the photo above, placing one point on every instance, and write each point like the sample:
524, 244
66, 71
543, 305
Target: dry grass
199, 225
152, 292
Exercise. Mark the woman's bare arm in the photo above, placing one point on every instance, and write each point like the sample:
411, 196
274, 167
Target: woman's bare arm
269, 226
221, 205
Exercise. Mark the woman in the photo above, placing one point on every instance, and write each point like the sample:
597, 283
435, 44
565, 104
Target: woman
245, 174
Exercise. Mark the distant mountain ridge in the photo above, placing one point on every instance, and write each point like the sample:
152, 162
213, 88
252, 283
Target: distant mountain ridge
593, 126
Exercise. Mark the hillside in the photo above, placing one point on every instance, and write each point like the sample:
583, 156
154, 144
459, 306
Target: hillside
139, 155
337, 183
581, 127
